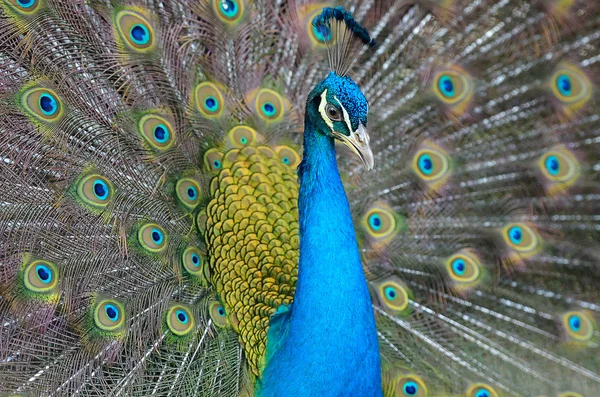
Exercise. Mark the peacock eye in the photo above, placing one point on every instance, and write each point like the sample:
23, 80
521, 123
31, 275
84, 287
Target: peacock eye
40, 276
180, 320
481, 390
135, 30
411, 386
579, 326
43, 104
320, 32
26, 7
333, 113
109, 314
188, 192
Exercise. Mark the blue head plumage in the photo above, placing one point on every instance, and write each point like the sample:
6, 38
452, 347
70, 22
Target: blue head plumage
336, 107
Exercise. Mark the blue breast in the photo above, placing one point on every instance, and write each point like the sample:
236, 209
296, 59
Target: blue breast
326, 343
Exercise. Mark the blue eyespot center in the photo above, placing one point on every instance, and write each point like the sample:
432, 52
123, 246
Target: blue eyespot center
575, 323
161, 133
157, 236
112, 312
459, 267
552, 165
217, 164
211, 104
269, 109
375, 222
482, 393
100, 189
410, 388
390, 293
191, 192
515, 234
48, 104
182, 316
26, 3
195, 259
446, 86
322, 33
221, 312
286, 160
425, 164
243, 140
563, 83
229, 8
44, 273
139, 34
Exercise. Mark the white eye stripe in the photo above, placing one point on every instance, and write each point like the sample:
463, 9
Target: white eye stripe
346, 115
322, 106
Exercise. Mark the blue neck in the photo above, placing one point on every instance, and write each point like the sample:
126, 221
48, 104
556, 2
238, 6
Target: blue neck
326, 345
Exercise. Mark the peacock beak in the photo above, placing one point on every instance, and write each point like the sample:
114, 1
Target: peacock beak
358, 142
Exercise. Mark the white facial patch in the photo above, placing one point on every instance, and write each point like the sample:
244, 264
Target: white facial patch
346, 115
322, 106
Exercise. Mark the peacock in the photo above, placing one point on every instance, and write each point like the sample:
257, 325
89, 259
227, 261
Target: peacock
265, 198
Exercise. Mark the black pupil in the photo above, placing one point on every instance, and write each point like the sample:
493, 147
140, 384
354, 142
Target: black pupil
138, 33
227, 5
427, 164
191, 193
392, 293
517, 235
566, 84
43, 274
195, 259
156, 236
159, 133
448, 86
99, 190
46, 104
210, 102
111, 312
324, 30
181, 317
221, 311
333, 112
216, 163
376, 221
410, 389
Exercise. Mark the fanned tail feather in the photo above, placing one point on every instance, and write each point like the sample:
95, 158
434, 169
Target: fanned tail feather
478, 227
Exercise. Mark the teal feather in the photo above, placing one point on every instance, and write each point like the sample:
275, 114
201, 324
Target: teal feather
478, 228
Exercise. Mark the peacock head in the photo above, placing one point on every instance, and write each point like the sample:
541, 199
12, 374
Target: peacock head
338, 109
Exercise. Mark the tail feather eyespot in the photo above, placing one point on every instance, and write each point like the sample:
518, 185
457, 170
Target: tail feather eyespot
179, 320
454, 88
156, 131
571, 88
432, 165
188, 192
43, 104
393, 295
134, 30
109, 315
229, 12
152, 237
95, 190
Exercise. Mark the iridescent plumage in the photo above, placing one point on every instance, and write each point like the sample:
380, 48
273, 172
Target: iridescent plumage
152, 219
